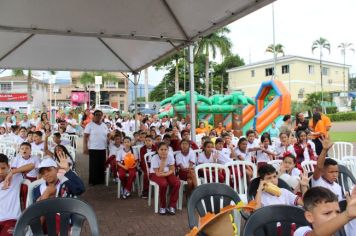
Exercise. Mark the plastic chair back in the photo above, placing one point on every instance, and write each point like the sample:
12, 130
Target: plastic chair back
341, 149
264, 220
211, 173
72, 213
238, 176
148, 156
276, 164
31, 187
349, 162
345, 179
209, 198
308, 166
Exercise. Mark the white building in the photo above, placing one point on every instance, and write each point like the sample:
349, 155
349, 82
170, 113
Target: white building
14, 93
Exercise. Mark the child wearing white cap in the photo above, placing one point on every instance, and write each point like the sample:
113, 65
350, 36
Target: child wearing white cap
68, 186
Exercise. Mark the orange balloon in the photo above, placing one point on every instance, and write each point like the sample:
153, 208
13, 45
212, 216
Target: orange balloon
129, 160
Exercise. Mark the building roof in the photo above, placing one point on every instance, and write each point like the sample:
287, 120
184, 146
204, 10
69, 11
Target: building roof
22, 78
286, 58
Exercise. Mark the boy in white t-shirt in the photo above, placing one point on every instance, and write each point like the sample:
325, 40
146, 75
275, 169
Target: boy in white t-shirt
268, 174
27, 163
252, 144
10, 209
327, 171
322, 211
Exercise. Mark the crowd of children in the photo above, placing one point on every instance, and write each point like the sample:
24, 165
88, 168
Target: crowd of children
55, 166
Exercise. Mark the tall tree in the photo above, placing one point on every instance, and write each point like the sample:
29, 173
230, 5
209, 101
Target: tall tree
217, 41
321, 44
220, 76
344, 47
18, 72
170, 62
278, 49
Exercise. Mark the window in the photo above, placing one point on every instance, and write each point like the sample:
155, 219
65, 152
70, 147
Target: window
122, 84
269, 71
252, 73
5, 87
111, 84
311, 69
285, 69
325, 71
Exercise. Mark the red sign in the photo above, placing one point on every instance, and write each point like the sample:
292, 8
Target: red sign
13, 96
79, 97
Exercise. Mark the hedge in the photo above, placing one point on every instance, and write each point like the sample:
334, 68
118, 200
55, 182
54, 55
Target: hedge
342, 116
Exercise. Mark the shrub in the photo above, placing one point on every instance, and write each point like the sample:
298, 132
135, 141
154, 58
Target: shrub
331, 110
342, 116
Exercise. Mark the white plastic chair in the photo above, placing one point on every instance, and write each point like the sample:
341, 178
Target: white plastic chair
308, 166
238, 176
183, 183
276, 164
148, 156
198, 139
350, 163
341, 149
31, 187
71, 151
213, 170
10, 152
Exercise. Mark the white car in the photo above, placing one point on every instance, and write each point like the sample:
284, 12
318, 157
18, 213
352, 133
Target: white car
106, 109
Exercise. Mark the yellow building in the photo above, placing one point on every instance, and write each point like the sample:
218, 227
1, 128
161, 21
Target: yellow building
300, 75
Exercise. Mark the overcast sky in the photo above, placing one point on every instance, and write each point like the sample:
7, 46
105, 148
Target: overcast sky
298, 23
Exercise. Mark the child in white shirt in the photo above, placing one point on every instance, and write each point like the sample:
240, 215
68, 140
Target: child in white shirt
28, 164
322, 211
266, 152
268, 174
252, 144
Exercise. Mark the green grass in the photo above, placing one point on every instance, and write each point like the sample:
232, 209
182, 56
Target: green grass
343, 136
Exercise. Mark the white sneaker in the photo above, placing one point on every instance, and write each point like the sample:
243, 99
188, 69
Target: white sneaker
171, 211
162, 211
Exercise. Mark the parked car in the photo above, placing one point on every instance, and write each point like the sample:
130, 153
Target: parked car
106, 109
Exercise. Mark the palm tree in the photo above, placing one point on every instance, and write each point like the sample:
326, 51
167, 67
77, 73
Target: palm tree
169, 62
321, 44
17, 72
212, 43
344, 47
278, 49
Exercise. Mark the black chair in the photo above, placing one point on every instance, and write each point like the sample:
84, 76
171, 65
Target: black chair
219, 192
345, 176
264, 220
72, 213
253, 186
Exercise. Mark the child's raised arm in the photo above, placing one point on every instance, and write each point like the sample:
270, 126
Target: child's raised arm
327, 144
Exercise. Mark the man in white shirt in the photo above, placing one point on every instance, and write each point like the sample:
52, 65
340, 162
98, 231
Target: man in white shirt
25, 122
95, 142
71, 124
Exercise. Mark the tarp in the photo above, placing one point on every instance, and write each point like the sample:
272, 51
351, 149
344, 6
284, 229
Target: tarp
107, 35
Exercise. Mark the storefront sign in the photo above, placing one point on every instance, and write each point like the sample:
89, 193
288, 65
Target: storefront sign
13, 97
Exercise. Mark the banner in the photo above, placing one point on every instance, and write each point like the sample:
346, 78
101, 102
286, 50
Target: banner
13, 96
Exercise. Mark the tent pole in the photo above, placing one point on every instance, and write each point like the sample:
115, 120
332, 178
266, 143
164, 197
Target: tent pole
191, 89
135, 97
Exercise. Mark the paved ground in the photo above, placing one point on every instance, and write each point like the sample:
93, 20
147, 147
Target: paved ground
346, 126
127, 217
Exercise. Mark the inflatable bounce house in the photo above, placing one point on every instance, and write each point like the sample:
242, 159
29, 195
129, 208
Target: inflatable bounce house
236, 111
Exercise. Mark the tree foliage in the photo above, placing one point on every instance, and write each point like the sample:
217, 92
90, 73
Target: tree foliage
158, 93
89, 77
278, 48
18, 72
314, 99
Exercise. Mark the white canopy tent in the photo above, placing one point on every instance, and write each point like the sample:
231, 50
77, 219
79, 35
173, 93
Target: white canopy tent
108, 35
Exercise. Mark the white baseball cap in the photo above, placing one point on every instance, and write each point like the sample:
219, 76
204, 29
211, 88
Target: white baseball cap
47, 162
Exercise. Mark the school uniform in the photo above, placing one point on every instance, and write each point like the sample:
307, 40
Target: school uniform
254, 144
97, 145
37, 147
246, 156
163, 182
125, 181
333, 187
281, 150
262, 158
304, 152
312, 145
143, 151
19, 161
69, 185
202, 159
286, 198
303, 231
18, 139
10, 208
185, 161
224, 156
